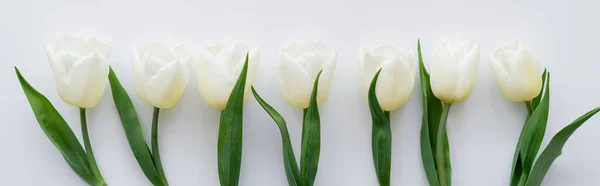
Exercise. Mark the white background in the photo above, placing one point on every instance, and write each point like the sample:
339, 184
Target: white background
483, 131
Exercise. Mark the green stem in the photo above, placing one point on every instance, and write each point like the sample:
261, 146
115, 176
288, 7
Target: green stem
88, 146
155, 151
529, 108
439, 154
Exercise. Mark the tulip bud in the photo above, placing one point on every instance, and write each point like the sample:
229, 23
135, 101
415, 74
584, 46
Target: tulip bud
397, 76
80, 69
160, 74
298, 69
219, 68
516, 72
454, 71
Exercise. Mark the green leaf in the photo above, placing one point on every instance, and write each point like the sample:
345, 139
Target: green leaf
311, 138
229, 145
533, 132
518, 176
59, 132
536, 101
554, 149
289, 160
517, 168
133, 130
432, 110
381, 136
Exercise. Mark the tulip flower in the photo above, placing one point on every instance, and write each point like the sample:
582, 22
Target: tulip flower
387, 76
160, 74
454, 71
452, 76
520, 79
224, 76
516, 72
300, 64
80, 69
397, 78
219, 68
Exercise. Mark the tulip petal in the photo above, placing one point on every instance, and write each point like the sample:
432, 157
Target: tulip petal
444, 73
387, 50
397, 82
467, 74
60, 74
87, 80
167, 86
215, 49
137, 68
370, 63
214, 82
526, 77
72, 44
93, 45
295, 82
326, 78
159, 50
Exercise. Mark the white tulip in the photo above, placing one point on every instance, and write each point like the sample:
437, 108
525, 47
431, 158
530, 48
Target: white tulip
397, 78
80, 69
219, 68
160, 73
300, 64
516, 72
454, 71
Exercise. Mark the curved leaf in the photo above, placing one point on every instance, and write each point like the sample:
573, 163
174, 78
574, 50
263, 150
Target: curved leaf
59, 132
311, 138
133, 130
381, 136
229, 145
534, 130
554, 149
536, 101
432, 110
289, 160
517, 176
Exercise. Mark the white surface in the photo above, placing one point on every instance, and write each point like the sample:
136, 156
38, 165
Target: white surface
483, 130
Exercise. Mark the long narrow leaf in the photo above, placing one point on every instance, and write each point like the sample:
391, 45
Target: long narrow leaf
381, 136
289, 160
59, 132
554, 149
534, 130
229, 145
517, 166
133, 130
536, 101
311, 138
432, 109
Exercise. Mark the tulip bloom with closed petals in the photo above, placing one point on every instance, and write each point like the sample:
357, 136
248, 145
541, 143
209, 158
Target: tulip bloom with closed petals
517, 73
219, 68
521, 79
160, 75
397, 78
387, 77
452, 77
305, 73
224, 76
454, 71
80, 69
300, 64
